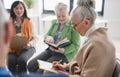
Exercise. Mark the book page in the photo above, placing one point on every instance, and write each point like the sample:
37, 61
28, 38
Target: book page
47, 66
60, 44
51, 44
62, 41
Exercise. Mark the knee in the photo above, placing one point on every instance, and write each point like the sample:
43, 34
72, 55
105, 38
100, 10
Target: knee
12, 60
29, 66
32, 65
22, 61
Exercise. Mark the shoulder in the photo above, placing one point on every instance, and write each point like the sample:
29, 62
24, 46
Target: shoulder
26, 20
100, 41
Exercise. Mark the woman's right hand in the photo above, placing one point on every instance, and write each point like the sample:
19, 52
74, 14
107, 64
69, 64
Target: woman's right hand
59, 67
49, 39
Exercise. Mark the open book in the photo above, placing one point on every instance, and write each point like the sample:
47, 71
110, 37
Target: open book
46, 66
63, 43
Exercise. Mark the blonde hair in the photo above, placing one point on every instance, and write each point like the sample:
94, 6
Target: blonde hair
61, 8
85, 9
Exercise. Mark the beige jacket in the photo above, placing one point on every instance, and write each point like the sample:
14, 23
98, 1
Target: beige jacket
96, 58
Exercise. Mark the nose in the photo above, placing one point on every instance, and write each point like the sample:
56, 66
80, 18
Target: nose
61, 18
19, 10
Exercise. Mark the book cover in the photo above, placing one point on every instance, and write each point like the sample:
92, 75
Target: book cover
18, 42
46, 66
63, 43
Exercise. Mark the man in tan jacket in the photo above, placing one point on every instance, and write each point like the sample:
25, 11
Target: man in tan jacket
97, 56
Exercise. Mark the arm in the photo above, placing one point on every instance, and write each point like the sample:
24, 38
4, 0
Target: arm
51, 32
60, 67
71, 50
26, 29
95, 62
49, 37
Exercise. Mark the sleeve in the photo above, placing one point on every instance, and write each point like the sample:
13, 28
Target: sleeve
51, 31
92, 65
72, 49
27, 29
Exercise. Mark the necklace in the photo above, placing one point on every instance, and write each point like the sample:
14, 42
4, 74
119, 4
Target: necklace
17, 22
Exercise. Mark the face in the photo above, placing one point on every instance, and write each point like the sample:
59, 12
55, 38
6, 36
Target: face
62, 18
19, 10
80, 26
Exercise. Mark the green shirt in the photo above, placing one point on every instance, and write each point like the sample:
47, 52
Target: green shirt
69, 33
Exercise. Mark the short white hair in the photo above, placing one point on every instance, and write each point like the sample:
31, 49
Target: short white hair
61, 8
4, 17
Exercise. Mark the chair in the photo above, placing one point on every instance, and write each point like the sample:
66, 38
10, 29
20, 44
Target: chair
117, 69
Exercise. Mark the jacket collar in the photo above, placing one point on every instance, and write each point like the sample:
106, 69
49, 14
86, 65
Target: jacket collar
67, 22
90, 30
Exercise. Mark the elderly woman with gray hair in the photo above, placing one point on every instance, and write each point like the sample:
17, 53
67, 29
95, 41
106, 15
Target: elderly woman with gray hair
97, 56
60, 29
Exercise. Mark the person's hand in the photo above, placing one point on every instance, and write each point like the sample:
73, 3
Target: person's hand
60, 68
49, 39
59, 50
57, 66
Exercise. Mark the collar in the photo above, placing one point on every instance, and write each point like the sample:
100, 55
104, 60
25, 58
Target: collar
90, 30
93, 28
67, 22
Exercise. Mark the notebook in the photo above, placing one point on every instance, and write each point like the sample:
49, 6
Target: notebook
18, 42
46, 66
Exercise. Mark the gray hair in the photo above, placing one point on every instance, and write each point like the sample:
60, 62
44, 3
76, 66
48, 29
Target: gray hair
85, 9
61, 8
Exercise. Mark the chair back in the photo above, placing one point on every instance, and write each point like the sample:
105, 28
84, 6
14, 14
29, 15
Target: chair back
117, 69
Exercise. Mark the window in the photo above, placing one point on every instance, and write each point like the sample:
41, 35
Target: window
100, 6
7, 4
48, 7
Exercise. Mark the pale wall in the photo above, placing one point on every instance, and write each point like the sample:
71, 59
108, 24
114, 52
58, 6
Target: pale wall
112, 14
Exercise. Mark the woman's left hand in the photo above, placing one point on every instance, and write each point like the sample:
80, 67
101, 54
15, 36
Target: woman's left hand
59, 50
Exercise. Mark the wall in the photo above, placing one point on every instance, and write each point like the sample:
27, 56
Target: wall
35, 15
112, 14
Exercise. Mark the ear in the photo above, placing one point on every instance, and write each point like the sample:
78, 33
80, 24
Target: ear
8, 32
87, 22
